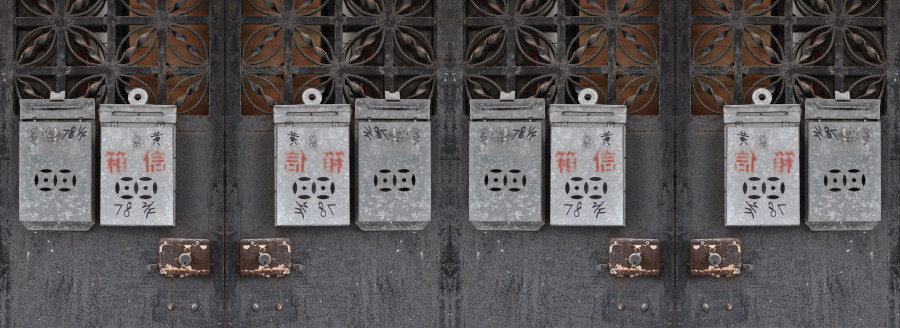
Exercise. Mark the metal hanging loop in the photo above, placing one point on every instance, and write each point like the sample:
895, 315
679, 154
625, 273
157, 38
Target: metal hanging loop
137, 96
312, 96
588, 96
762, 96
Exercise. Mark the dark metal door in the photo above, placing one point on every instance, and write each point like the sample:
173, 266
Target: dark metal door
225, 64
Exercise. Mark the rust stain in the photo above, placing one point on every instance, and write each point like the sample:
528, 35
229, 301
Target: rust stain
729, 249
621, 249
279, 249
170, 249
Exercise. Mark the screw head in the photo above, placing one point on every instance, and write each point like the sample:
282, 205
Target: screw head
729, 307
645, 307
254, 307
170, 306
620, 306
278, 306
195, 307
704, 307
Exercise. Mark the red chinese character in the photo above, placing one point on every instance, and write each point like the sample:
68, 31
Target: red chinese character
783, 161
294, 162
605, 162
333, 160
155, 161
566, 161
116, 161
744, 161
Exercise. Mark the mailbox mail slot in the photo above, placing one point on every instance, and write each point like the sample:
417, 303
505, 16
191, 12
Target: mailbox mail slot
587, 165
312, 165
137, 164
394, 172
762, 165
843, 141
56, 164
506, 161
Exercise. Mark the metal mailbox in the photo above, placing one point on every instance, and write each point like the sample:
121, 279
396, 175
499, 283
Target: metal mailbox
312, 157
506, 161
56, 163
843, 139
587, 165
393, 178
762, 163
137, 169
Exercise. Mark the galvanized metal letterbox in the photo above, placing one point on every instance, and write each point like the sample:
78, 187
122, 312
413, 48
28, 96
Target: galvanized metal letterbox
393, 139
762, 163
56, 163
506, 161
137, 169
587, 165
843, 139
312, 165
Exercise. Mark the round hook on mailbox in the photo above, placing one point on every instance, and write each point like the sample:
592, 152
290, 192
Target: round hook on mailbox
588, 96
184, 259
312, 96
265, 259
137, 96
762, 96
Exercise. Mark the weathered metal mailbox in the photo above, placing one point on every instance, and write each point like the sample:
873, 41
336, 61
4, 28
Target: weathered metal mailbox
393, 178
137, 170
56, 163
312, 157
843, 139
506, 161
587, 164
762, 163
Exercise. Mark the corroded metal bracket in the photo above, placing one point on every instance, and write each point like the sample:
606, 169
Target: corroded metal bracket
183, 257
266, 257
633, 257
716, 257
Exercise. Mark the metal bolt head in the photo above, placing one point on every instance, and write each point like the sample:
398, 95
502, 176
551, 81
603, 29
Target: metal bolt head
715, 259
620, 306
645, 307
184, 259
634, 259
265, 259
254, 307
278, 306
195, 307
704, 307
170, 306
729, 307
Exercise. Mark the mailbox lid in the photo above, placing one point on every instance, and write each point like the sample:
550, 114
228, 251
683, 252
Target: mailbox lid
380, 109
125, 113
830, 109
311, 114
68, 109
749, 114
578, 114
393, 174
137, 169
518, 109
312, 175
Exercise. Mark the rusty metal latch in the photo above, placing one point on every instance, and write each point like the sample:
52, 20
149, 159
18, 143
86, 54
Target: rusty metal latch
266, 257
633, 257
183, 257
716, 257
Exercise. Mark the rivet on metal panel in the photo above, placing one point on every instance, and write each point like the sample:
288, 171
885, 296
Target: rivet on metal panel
645, 307
254, 307
195, 307
704, 307
729, 307
170, 306
620, 306
278, 306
